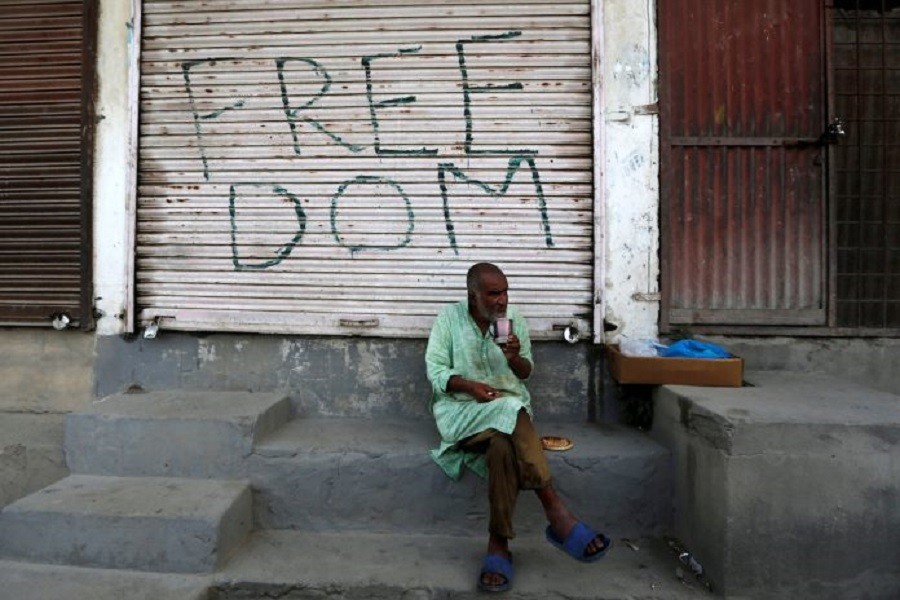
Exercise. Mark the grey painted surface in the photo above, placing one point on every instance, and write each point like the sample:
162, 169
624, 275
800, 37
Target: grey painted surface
788, 489
331, 377
357, 377
149, 524
172, 433
357, 474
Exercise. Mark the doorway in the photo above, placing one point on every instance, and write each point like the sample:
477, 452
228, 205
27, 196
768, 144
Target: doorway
780, 178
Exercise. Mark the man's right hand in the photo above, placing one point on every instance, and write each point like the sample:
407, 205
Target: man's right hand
482, 392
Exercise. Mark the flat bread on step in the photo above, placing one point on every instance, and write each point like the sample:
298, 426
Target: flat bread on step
556, 443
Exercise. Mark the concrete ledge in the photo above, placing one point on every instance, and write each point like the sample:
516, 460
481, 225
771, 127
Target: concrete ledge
172, 434
363, 566
146, 524
31, 453
356, 474
26, 581
866, 361
42, 370
328, 376
790, 488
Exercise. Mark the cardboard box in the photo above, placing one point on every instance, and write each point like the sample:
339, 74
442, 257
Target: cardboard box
719, 372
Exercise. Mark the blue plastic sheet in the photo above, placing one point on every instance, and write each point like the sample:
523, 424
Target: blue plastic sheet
694, 349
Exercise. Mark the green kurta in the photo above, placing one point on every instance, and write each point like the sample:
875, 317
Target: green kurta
457, 347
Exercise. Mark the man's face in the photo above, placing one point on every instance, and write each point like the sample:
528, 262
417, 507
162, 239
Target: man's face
490, 299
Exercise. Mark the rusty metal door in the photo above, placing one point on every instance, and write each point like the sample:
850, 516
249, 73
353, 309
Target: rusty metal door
45, 83
743, 106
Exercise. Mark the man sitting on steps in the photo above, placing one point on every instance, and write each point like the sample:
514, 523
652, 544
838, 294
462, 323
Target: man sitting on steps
483, 413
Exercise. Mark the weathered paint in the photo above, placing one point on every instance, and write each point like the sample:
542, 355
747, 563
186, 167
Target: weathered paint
743, 98
631, 289
112, 220
330, 376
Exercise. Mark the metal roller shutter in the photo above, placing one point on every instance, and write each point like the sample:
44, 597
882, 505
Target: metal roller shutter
311, 166
44, 161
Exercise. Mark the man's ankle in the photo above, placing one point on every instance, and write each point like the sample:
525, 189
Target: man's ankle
498, 545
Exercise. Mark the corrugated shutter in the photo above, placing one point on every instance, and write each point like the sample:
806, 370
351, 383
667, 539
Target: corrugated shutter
742, 92
310, 166
43, 251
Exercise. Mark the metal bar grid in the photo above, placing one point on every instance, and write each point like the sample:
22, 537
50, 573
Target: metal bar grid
868, 290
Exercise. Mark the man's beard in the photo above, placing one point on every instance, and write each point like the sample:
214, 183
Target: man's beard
495, 314
489, 314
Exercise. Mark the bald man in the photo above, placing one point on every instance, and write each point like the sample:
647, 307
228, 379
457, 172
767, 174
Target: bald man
482, 409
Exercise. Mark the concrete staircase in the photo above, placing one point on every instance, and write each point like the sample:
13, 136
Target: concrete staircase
246, 501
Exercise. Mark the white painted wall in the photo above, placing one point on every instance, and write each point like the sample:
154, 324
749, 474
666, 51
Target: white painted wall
632, 168
112, 245
630, 180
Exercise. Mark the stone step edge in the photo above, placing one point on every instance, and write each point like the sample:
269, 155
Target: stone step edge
41, 581
392, 436
214, 536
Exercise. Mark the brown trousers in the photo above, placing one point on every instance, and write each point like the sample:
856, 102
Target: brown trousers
515, 462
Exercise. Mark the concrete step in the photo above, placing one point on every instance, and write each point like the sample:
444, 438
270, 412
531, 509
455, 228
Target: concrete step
376, 475
172, 434
31, 454
27, 581
297, 566
353, 566
806, 464
145, 524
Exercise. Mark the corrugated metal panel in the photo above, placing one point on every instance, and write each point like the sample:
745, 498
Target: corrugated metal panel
41, 245
743, 106
867, 96
335, 167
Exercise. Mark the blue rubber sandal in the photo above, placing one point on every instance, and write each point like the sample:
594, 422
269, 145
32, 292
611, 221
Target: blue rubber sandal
576, 544
500, 565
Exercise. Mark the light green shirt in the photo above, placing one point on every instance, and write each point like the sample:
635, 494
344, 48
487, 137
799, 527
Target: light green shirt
457, 347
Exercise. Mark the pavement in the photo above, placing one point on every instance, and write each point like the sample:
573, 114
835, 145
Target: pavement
292, 565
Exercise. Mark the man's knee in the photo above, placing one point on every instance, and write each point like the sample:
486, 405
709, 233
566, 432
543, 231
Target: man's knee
533, 466
500, 450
